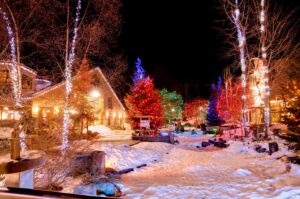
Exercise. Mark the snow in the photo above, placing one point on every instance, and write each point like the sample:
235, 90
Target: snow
124, 156
109, 134
235, 172
242, 172
5, 132
102, 129
186, 171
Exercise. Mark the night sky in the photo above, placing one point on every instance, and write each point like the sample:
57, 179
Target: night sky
179, 42
175, 40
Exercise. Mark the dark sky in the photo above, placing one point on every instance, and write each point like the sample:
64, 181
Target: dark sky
178, 42
175, 40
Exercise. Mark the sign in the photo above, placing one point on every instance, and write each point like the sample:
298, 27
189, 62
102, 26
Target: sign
145, 123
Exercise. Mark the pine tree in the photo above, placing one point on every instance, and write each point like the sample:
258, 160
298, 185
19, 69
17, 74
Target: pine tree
172, 105
145, 100
139, 73
80, 100
291, 115
212, 114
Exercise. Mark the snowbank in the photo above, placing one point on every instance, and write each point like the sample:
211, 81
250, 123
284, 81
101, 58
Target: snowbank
103, 130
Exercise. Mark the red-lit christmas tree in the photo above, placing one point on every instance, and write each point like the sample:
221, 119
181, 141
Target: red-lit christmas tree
229, 103
145, 100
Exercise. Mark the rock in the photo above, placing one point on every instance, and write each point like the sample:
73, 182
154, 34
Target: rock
295, 160
205, 144
273, 147
256, 147
82, 164
223, 145
108, 188
92, 163
98, 163
261, 150
221, 140
176, 142
211, 141
198, 147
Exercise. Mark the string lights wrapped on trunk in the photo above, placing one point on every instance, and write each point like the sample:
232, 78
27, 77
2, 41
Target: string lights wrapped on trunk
242, 45
262, 20
68, 75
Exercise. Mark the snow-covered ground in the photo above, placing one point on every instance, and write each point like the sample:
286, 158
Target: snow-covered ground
187, 170
235, 172
108, 134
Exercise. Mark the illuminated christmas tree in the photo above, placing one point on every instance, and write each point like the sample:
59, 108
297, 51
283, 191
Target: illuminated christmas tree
291, 115
172, 105
139, 73
145, 100
80, 98
212, 114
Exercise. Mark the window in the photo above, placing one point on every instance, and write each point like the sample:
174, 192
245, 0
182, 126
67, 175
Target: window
4, 76
109, 103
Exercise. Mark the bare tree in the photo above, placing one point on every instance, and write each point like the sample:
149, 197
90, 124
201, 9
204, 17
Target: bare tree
270, 32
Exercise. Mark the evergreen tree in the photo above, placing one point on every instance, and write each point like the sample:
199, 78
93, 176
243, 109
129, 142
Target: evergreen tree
172, 105
212, 114
81, 103
291, 115
145, 100
139, 73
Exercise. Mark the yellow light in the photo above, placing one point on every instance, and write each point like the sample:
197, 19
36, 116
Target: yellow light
72, 111
120, 115
35, 110
4, 115
94, 93
6, 108
114, 115
56, 110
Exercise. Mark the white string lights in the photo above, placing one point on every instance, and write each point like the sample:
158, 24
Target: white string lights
262, 20
242, 42
68, 76
14, 72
